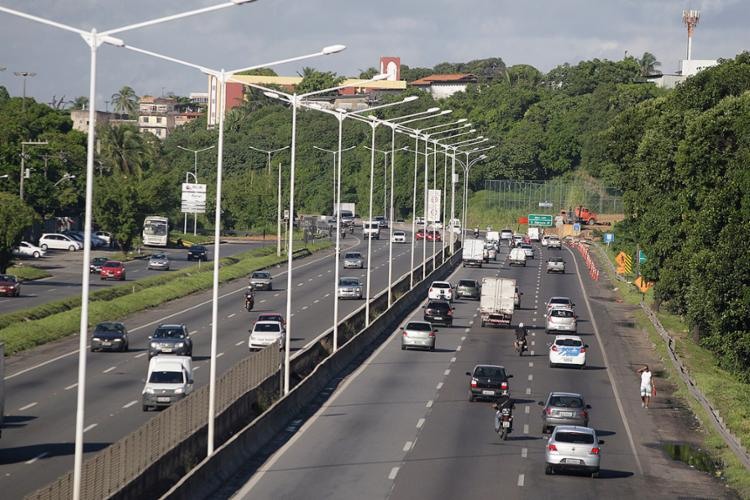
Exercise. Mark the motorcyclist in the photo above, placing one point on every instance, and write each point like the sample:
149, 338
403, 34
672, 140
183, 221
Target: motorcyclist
476, 232
249, 298
521, 335
506, 403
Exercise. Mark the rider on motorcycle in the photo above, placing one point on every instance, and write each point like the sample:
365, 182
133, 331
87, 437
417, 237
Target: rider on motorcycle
476, 232
503, 405
521, 335
249, 298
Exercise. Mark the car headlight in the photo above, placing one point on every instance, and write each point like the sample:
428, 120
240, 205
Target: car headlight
96, 339
179, 344
179, 390
149, 390
154, 344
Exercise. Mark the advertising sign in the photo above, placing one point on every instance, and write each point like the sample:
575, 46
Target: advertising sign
433, 205
193, 198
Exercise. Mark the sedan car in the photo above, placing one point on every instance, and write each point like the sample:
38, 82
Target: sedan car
528, 250
272, 317
26, 249
349, 288
573, 448
170, 339
109, 336
561, 319
567, 350
159, 261
439, 311
419, 235
354, 260
434, 236
104, 236
265, 333
57, 241
468, 288
112, 269
197, 252
261, 280
556, 265
419, 334
95, 266
9, 285
559, 301
419, 221
564, 408
488, 382
398, 237
440, 290
382, 221
554, 242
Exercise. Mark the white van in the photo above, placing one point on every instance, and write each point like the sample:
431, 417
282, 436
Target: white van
169, 379
371, 229
517, 257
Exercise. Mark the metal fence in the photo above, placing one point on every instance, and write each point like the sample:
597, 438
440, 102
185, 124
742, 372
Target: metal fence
535, 196
109, 470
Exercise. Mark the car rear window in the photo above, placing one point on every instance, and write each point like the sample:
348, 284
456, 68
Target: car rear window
568, 342
566, 401
469, 283
438, 305
489, 372
561, 313
556, 259
440, 285
574, 437
420, 327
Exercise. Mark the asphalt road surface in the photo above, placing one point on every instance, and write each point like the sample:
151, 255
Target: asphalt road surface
37, 440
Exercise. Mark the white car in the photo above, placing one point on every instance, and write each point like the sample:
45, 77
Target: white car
398, 237
440, 290
26, 249
528, 250
105, 236
567, 350
419, 221
561, 319
560, 301
57, 241
265, 333
554, 242
545, 238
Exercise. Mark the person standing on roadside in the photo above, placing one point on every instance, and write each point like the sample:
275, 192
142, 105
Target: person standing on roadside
647, 386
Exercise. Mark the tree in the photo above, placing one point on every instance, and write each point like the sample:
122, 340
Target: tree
125, 101
648, 64
15, 218
116, 208
313, 80
124, 148
80, 103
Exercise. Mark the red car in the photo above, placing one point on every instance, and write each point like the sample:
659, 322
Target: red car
434, 236
419, 235
113, 269
9, 285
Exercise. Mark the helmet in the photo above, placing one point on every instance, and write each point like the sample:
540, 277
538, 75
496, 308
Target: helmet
520, 325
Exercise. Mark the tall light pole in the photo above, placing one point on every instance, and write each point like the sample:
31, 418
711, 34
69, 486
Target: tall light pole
24, 75
269, 154
23, 162
195, 176
335, 209
467, 168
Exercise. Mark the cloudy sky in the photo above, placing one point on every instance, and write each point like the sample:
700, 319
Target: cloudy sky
543, 33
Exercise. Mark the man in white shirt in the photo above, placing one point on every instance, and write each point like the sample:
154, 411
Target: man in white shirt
647, 386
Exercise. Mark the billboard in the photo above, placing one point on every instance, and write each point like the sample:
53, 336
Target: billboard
433, 205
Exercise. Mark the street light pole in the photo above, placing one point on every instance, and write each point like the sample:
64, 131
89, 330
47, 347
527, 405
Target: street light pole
24, 75
195, 176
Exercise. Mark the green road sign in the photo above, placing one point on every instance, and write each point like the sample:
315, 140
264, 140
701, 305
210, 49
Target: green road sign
642, 257
540, 220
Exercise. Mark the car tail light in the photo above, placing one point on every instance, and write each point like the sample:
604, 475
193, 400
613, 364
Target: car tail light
450, 312
584, 414
473, 382
504, 386
583, 349
552, 447
554, 348
432, 333
430, 289
548, 411
405, 334
595, 451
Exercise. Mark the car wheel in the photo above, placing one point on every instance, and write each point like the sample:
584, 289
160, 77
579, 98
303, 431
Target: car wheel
146, 408
125, 348
403, 347
72, 248
595, 474
548, 470
37, 255
482, 322
44, 247
102, 278
471, 398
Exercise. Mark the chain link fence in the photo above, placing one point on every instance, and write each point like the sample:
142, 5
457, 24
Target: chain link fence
551, 196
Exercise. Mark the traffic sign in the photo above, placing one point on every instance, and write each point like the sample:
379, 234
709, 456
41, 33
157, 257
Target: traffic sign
609, 238
577, 227
540, 220
193, 198
642, 257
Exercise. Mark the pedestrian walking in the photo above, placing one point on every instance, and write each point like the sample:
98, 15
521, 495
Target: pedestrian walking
648, 389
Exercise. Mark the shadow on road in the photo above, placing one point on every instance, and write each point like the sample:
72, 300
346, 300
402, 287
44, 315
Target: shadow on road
17, 454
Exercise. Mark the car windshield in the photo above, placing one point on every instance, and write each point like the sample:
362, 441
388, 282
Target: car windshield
352, 256
267, 327
566, 401
574, 437
561, 313
468, 283
568, 342
159, 256
197, 248
263, 276
7, 277
418, 326
166, 378
108, 328
348, 282
489, 372
169, 333
112, 263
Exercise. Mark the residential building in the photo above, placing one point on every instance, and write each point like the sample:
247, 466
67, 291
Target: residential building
156, 115
80, 118
442, 86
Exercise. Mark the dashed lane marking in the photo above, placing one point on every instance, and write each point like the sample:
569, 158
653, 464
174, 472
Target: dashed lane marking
531, 377
527, 409
394, 472
232, 315
524, 452
71, 386
420, 423
111, 368
520, 479
458, 348
219, 355
429, 404
528, 390
41, 455
240, 342
86, 429
439, 386
130, 403
407, 446
453, 360
525, 428
26, 407
140, 355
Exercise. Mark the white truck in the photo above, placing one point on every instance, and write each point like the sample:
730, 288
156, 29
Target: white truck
473, 252
371, 229
535, 233
497, 301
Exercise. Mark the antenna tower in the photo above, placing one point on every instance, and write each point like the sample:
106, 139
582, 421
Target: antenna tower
690, 19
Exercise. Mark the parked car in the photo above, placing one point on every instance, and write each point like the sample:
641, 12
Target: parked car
57, 241
112, 269
10, 286
440, 290
398, 237
109, 336
272, 317
265, 333
261, 280
561, 319
96, 242
95, 266
488, 382
197, 252
567, 350
555, 265
349, 288
559, 300
573, 448
468, 288
354, 260
438, 311
26, 249
418, 334
105, 236
170, 339
159, 261
564, 408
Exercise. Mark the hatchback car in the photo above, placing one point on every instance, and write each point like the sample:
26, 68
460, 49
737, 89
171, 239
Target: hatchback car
561, 319
419, 235
564, 408
197, 252
170, 339
353, 260
349, 288
26, 249
528, 250
261, 280
95, 266
434, 236
567, 350
438, 311
398, 237
159, 261
559, 301
506, 234
265, 333
112, 269
58, 241
440, 290
573, 448
488, 382
9, 285
469, 289
555, 265
554, 242
109, 336
419, 334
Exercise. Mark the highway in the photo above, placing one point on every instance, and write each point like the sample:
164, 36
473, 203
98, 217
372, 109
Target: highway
37, 442
401, 426
65, 268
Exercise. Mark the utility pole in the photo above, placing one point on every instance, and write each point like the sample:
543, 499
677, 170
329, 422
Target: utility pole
23, 162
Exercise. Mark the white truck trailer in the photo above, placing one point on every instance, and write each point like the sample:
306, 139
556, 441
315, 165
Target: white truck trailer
473, 252
497, 301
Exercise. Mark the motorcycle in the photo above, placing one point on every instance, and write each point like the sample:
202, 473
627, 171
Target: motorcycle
520, 346
249, 299
503, 422
476, 233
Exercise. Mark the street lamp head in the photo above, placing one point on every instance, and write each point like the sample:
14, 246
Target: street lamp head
472, 131
378, 77
446, 112
410, 98
433, 110
240, 2
333, 49
341, 110
461, 120
272, 95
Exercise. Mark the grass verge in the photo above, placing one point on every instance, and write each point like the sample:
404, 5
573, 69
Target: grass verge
727, 394
27, 273
23, 330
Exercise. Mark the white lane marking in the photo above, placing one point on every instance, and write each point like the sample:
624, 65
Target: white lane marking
111, 368
447, 372
276, 294
320, 276
140, 355
524, 452
30, 405
407, 446
453, 360
531, 364
527, 409
327, 295
463, 338
429, 404
193, 332
300, 284
310, 279
525, 428
316, 301
86, 429
305, 307
458, 348
41, 455
531, 377
520, 479
71, 386
532, 352
219, 355
439, 386
528, 390
51, 290
262, 301
232, 315
129, 404
393, 473
420, 423
533, 342
196, 368
240, 342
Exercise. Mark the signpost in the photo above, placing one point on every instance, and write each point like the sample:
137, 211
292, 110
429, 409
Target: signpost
540, 220
193, 198
577, 227
609, 238
433, 205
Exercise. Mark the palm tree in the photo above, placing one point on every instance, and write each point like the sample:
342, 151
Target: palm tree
124, 148
648, 64
125, 101
80, 102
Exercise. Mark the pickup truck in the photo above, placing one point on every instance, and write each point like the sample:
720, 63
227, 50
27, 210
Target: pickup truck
497, 301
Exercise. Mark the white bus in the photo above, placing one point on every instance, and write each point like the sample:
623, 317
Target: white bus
155, 231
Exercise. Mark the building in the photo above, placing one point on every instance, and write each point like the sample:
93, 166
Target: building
688, 68
442, 86
80, 119
156, 115
200, 98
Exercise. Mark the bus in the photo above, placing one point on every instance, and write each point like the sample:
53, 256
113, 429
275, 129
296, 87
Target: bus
155, 231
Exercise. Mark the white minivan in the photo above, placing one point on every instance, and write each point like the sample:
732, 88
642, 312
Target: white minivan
371, 229
169, 379
517, 257
58, 241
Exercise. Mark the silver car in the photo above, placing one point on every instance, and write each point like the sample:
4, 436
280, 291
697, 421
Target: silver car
354, 260
573, 448
159, 261
555, 265
528, 250
564, 408
349, 288
554, 242
561, 319
419, 334
261, 280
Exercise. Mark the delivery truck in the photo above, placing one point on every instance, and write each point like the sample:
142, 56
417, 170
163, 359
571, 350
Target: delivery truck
473, 252
497, 301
